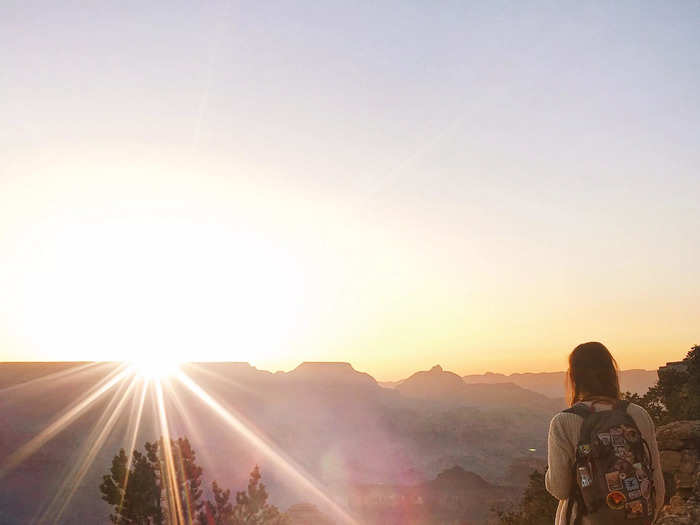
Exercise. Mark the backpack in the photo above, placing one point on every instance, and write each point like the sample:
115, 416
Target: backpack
613, 471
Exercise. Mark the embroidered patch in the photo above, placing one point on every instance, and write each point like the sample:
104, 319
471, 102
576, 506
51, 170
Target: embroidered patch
616, 500
604, 439
584, 477
621, 451
635, 509
631, 483
613, 481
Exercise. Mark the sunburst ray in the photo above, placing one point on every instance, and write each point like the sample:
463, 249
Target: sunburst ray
52, 380
60, 423
286, 464
96, 439
170, 475
133, 431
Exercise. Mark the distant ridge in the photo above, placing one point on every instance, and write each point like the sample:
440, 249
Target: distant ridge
438, 384
549, 384
330, 371
552, 384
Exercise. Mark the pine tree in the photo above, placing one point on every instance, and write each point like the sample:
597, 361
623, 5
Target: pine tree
136, 498
537, 506
140, 498
187, 475
251, 506
220, 511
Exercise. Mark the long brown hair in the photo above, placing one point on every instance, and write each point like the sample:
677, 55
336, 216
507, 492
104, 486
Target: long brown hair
592, 374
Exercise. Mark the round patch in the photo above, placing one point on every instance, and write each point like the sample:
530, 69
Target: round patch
616, 500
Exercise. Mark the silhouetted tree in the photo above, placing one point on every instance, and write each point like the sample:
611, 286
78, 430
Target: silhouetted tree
676, 394
187, 479
251, 506
141, 497
189, 476
220, 511
537, 506
136, 497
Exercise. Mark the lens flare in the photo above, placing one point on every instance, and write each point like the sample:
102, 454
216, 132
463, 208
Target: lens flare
152, 374
295, 472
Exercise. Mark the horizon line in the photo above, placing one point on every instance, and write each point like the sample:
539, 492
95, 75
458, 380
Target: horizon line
247, 363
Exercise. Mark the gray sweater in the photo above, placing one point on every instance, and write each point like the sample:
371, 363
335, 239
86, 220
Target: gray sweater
564, 432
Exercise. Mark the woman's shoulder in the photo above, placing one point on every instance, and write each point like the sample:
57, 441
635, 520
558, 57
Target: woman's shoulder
641, 417
635, 410
564, 419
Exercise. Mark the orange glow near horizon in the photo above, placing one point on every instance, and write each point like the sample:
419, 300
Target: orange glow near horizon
212, 268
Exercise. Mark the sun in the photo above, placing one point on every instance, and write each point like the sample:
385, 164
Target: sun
154, 367
176, 289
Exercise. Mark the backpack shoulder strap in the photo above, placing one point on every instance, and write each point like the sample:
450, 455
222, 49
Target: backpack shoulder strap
580, 409
622, 404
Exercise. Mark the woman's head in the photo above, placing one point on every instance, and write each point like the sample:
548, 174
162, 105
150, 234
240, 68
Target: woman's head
592, 373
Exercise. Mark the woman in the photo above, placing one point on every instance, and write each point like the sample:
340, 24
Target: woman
591, 381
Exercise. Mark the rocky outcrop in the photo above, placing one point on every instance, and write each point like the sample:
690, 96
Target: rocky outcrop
679, 444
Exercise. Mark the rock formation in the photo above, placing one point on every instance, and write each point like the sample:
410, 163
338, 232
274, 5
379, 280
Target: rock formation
679, 443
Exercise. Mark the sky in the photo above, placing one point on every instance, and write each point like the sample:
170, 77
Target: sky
393, 184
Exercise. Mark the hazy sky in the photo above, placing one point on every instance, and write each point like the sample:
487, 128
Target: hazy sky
395, 184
